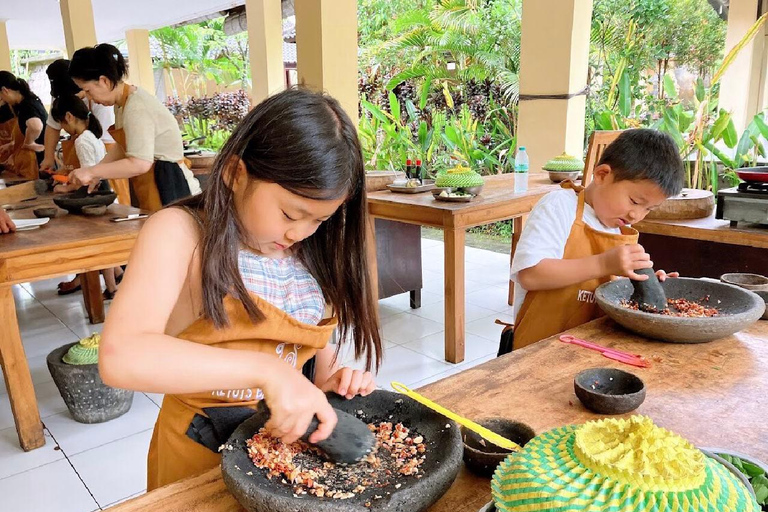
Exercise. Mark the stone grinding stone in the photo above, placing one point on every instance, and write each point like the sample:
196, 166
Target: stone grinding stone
648, 294
349, 442
442, 437
88, 399
739, 309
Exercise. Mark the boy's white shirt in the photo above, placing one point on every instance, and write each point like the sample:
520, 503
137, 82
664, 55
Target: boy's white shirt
546, 233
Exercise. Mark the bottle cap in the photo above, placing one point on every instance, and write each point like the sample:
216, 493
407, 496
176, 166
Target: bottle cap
522, 148
408, 162
418, 162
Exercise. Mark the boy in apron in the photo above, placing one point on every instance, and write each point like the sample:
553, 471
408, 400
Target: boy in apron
578, 238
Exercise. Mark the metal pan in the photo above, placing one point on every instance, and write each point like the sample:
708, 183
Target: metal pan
753, 174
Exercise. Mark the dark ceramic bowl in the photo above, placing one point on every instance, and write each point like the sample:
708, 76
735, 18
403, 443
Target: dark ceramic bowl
754, 282
609, 390
42, 213
75, 201
481, 456
739, 308
256, 493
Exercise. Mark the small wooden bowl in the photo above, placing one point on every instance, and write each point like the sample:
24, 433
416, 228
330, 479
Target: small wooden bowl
609, 390
95, 210
481, 456
42, 213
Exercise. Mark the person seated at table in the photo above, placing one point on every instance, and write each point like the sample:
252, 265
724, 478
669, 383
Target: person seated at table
85, 142
577, 238
228, 294
29, 119
6, 223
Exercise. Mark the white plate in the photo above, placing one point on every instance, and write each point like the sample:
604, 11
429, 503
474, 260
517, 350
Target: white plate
27, 224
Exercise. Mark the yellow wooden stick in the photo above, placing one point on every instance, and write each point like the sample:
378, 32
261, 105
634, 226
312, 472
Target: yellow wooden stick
486, 434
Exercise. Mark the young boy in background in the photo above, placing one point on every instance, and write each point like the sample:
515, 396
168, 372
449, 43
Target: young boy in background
575, 239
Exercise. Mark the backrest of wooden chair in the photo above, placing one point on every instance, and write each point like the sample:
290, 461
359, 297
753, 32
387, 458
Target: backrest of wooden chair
598, 141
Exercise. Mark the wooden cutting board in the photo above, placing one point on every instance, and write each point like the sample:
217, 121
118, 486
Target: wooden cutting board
690, 204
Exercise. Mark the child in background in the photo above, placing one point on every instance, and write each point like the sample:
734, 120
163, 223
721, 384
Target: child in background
85, 135
576, 239
228, 294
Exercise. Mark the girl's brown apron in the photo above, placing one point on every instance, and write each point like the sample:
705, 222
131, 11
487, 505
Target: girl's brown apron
173, 455
22, 162
548, 312
71, 162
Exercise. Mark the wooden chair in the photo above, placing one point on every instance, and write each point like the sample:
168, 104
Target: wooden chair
598, 141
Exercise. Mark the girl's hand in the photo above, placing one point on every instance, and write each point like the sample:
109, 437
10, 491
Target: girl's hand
64, 188
6, 224
350, 383
663, 275
84, 176
293, 402
47, 165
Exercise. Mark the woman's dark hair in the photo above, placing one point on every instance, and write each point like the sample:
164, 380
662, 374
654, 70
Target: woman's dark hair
306, 143
91, 63
77, 108
61, 82
9, 81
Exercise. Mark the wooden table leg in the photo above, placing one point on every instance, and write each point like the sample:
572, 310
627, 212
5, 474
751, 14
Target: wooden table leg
454, 294
517, 229
373, 266
94, 300
18, 380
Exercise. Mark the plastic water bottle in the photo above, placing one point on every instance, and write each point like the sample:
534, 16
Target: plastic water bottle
521, 171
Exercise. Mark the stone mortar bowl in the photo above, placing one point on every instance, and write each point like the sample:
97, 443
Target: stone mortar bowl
444, 451
481, 456
75, 201
609, 390
754, 282
95, 210
42, 213
739, 309
764, 296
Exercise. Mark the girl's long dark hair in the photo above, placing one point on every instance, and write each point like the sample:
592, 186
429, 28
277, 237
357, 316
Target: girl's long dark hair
77, 108
91, 63
9, 81
61, 82
306, 143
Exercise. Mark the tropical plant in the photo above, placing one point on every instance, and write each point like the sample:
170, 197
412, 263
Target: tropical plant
207, 122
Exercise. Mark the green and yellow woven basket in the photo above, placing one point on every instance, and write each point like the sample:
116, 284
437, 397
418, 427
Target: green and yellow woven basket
616, 465
84, 352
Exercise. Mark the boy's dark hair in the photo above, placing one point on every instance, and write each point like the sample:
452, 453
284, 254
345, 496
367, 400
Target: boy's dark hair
91, 63
644, 154
306, 143
77, 108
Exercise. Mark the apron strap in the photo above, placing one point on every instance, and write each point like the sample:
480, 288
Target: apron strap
568, 184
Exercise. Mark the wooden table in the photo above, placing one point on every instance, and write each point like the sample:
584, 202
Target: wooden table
497, 202
713, 394
708, 229
66, 245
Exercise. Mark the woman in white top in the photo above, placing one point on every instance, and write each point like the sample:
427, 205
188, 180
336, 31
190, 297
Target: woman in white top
85, 129
62, 85
149, 150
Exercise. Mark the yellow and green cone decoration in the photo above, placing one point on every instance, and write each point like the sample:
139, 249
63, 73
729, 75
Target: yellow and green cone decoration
85, 352
564, 163
616, 465
459, 177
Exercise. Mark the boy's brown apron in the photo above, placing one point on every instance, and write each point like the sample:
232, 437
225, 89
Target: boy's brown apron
71, 162
548, 312
173, 455
22, 162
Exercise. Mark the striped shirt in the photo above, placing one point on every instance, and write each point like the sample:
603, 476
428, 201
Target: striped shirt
285, 283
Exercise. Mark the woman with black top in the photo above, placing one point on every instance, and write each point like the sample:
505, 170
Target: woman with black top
27, 147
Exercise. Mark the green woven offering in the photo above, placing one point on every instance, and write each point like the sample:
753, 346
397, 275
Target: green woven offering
564, 163
616, 465
84, 352
459, 177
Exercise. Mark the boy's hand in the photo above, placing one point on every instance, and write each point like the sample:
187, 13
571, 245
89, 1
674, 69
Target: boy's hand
663, 275
350, 383
625, 259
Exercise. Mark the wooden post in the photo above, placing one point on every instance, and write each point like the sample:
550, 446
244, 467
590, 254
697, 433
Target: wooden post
554, 58
79, 29
265, 40
326, 49
5, 48
140, 70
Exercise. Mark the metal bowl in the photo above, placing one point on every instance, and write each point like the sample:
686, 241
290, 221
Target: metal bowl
256, 493
558, 176
739, 309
